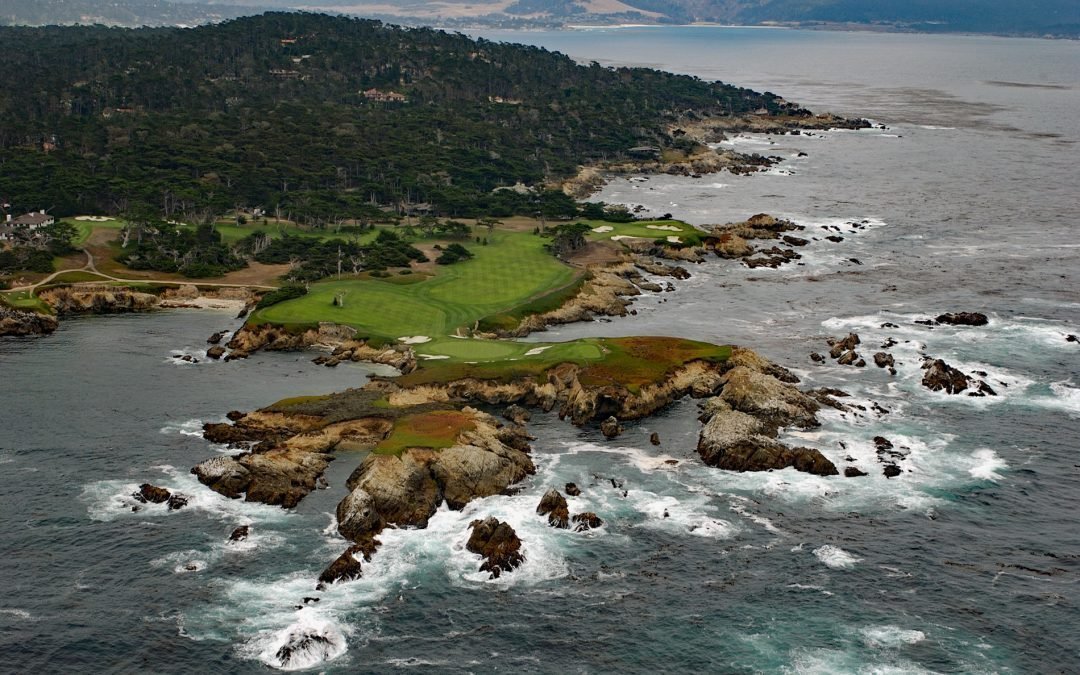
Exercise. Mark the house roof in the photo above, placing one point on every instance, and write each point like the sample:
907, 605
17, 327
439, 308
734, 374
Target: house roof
32, 219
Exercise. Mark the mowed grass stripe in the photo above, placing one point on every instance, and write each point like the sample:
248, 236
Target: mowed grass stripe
502, 275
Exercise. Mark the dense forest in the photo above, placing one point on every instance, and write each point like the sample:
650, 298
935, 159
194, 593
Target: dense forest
317, 116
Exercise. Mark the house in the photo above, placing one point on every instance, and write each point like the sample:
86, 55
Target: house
384, 96
30, 221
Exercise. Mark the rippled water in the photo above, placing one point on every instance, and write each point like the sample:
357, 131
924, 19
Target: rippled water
968, 561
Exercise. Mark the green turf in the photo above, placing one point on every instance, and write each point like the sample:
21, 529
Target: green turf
502, 275
435, 430
76, 276
86, 227
25, 300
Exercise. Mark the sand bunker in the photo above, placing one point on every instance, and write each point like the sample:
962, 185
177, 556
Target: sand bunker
669, 228
414, 340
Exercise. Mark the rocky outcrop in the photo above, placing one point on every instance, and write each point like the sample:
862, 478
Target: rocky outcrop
152, 494
241, 533
963, 319
611, 428
884, 360
742, 422
345, 568
940, 376
406, 490
68, 300
17, 322
553, 505
341, 340
572, 489
278, 476
498, 544
730, 241
215, 352
587, 521
605, 294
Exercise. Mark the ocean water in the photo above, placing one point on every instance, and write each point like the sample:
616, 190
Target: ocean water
966, 562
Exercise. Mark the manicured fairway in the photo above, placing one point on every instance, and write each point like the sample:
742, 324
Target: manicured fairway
502, 275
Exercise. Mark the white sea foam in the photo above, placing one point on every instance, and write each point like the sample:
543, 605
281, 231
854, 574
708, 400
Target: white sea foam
310, 641
836, 557
891, 636
192, 427
20, 614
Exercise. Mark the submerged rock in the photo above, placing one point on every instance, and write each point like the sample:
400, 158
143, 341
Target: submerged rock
497, 543
553, 505
654, 438
963, 319
241, 533
853, 472
587, 521
572, 489
177, 502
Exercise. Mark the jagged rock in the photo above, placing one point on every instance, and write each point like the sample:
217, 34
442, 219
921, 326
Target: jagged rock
883, 360
861, 363
847, 344
572, 490
215, 352
402, 489
611, 428
279, 476
816, 358
553, 505
216, 337
654, 438
766, 397
19, 322
650, 286
891, 471
177, 502
152, 494
1072, 338
241, 533
794, 241
982, 390
848, 358
357, 517
517, 414
345, 568
853, 472
835, 238
497, 543
737, 441
882, 443
940, 376
587, 521
963, 319
482, 468
234, 416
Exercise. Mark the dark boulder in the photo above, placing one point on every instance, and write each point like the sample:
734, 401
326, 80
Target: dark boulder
882, 443
553, 505
345, 568
1072, 338
891, 471
152, 494
587, 521
611, 428
240, 534
816, 358
963, 319
216, 337
215, 352
884, 360
573, 490
940, 376
654, 438
853, 472
497, 543
177, 502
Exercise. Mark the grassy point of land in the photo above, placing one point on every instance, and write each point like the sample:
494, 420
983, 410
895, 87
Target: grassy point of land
645, 229
631, 362
436, 430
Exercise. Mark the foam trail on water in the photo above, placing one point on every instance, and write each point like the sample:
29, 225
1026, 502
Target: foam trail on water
836, 557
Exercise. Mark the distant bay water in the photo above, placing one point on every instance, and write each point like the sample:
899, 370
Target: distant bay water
969, 561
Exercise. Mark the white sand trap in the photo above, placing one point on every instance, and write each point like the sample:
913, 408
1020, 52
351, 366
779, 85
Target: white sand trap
674, 240
93, 219
669, 228
536, 350
414, 340
602, 229
620, 237
433, 357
